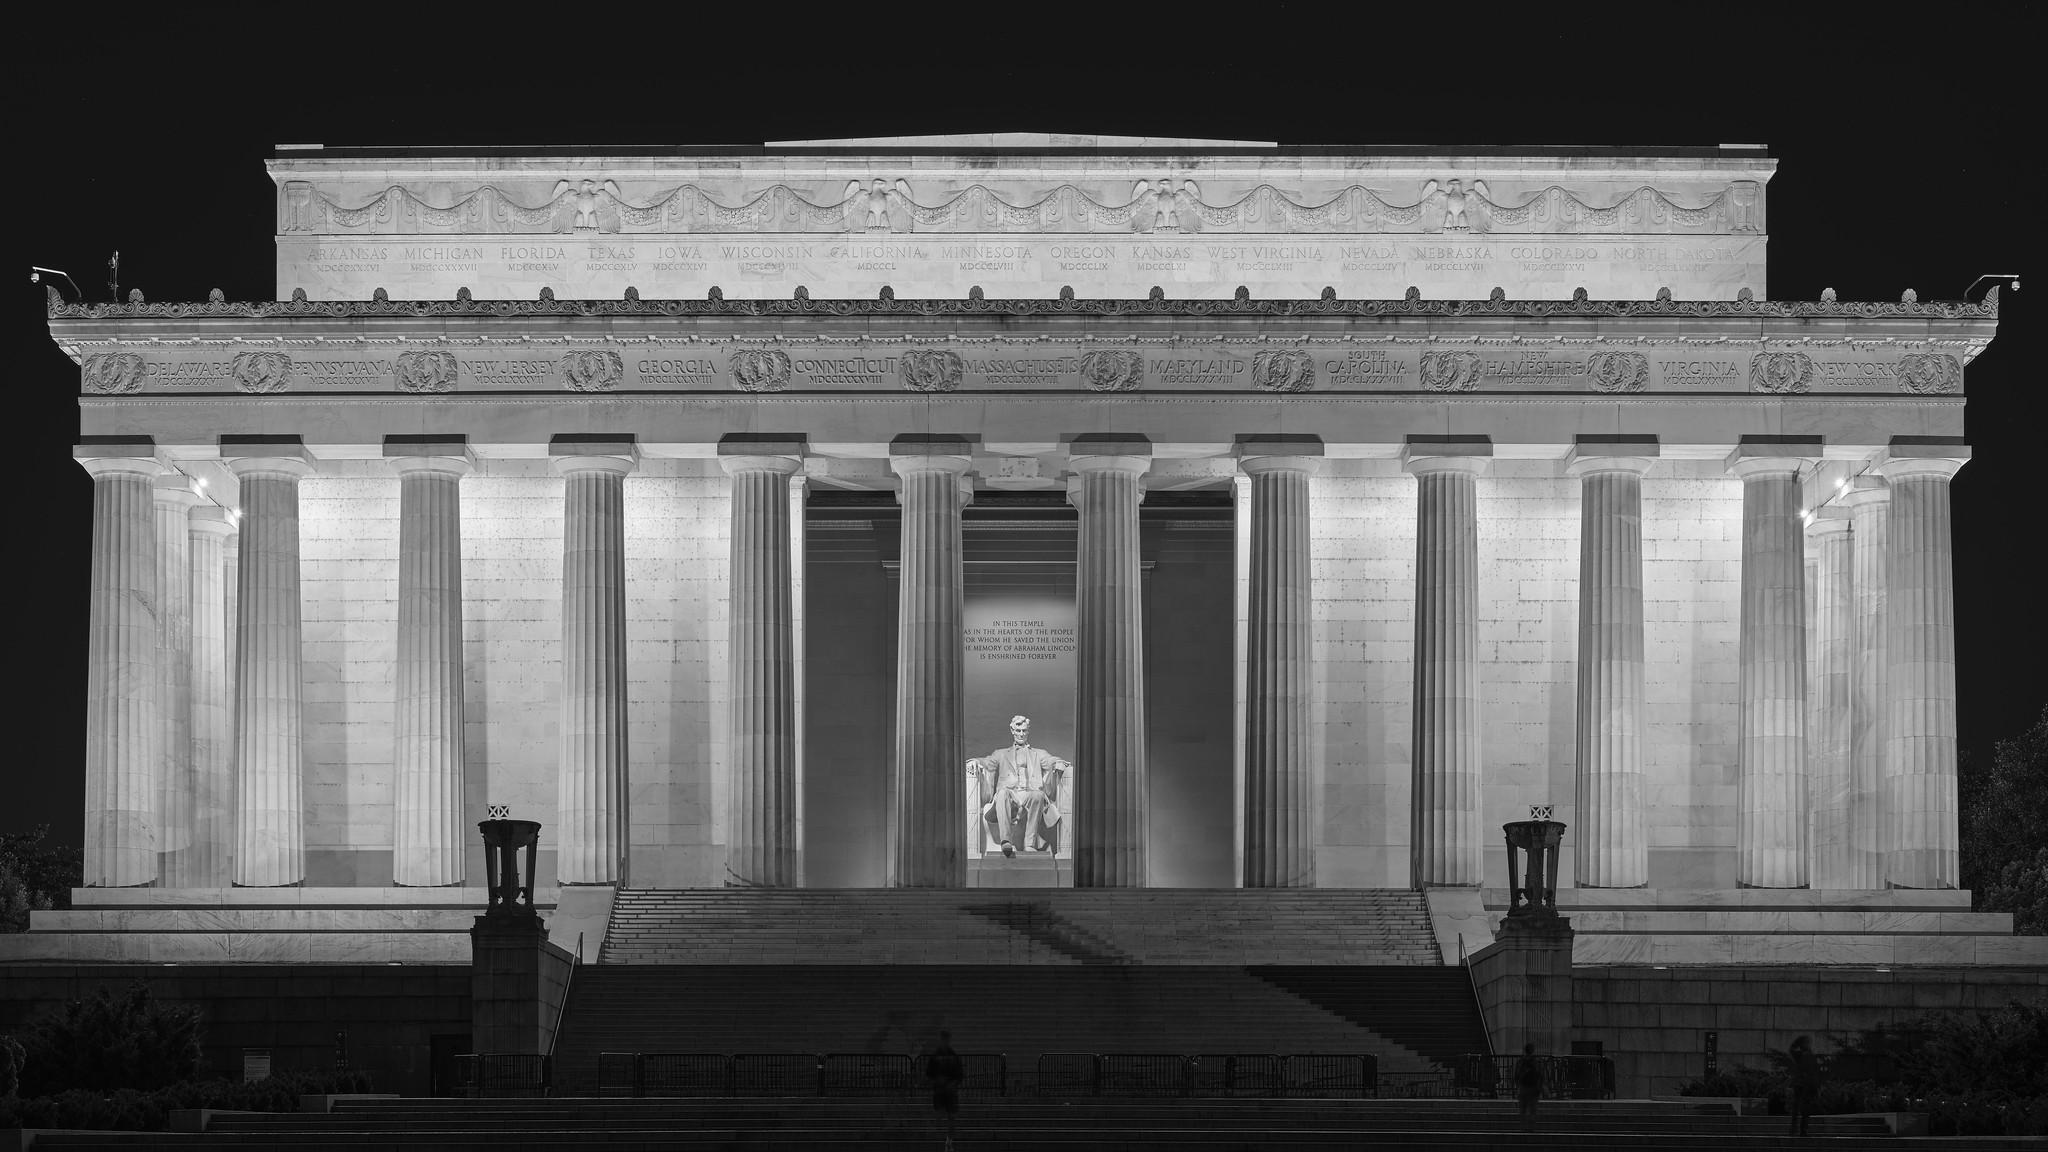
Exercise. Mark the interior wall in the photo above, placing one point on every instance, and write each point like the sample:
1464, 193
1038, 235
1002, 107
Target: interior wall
850, 699
1189, 650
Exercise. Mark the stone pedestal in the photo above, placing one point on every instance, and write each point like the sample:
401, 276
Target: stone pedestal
1524, 978
1771, 738
1831, 825
1279, 804
1869, 501
1613, 850
592, 787
208, 864
1444, 820
427, 746
122, 728
269, 817
927, 786
763, 718
1109, 682
518, 980
1919, 788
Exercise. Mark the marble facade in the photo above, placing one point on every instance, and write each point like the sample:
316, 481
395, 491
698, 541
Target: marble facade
1526, 470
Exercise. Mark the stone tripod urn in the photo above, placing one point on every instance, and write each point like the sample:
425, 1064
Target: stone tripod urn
502, 841
1533, 891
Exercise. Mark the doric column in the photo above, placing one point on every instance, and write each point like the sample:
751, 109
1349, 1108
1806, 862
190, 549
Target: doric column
1869, 500
174, 501
121, 726
1831, 825
927, 783
1444, 845
1919, 788
1613, 850
762, 730
1109, 649
207, 863
270, 847
592, 816
1279, 794
1771, 731
428, 829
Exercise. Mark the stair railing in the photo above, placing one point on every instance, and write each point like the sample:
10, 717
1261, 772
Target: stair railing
1465, 962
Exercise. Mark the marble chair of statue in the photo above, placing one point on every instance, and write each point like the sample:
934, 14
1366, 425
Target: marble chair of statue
1049, 839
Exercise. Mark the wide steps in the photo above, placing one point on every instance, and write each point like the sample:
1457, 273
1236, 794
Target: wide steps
1053, 926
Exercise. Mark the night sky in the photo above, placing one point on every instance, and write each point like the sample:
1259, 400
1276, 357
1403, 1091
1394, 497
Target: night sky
1905, 161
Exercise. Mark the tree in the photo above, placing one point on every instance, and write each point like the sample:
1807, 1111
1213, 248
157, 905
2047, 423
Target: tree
108, 1041
35, 876
2004, 835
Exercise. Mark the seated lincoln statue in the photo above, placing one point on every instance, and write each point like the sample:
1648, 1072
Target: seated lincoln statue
1017, 792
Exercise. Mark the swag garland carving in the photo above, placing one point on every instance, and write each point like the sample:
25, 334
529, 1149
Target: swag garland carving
1144, 206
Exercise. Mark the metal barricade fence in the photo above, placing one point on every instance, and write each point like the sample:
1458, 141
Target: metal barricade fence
775, 1074
1564, 1077
986, 1072
1069, 1073
1354, 1075
1246, 1074
864, 1074
503, 1074
1142, 1074
695, 1074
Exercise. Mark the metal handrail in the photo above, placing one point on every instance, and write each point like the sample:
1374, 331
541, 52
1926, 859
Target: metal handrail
1465, 962
711, 1074
562, 1009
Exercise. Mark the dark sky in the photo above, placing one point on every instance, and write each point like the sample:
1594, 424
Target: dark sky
1905, 161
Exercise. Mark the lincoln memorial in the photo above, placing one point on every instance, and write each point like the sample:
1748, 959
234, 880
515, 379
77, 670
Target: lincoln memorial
1321, 511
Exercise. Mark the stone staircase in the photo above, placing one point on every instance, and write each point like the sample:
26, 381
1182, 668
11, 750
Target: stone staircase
1750, 926
1013, 1124
1156, 926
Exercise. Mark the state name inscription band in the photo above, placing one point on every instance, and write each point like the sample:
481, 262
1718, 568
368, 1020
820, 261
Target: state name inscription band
378, 552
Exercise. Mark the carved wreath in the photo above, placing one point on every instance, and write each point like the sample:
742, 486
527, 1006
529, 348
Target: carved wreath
592, 370
1780, 372
1107, 370
1618, 371
760, 369
1289, 371
426, 371
112, 373
261, 371
1933, 372
1450, 371
930, 370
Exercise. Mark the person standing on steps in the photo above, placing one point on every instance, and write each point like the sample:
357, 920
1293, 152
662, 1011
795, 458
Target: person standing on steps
1805, 1083
1528, 1085
946, 1070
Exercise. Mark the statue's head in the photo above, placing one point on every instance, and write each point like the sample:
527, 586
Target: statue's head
1020, 729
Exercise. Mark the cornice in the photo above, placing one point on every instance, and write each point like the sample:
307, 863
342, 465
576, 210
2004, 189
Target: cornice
1065, 305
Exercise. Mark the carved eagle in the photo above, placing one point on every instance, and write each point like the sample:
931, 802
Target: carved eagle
584, 195
1456, 201
870, 206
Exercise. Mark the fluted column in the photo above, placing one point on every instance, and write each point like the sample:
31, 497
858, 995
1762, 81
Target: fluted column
121, 723
428, 828
592, 788
1919, 789
1279, 799
1444, 842
1613, 851
174, 501
1831, 824
270, 845
1109, 685
927, 783
762, 732
1771, 737
1869, 500
207, 862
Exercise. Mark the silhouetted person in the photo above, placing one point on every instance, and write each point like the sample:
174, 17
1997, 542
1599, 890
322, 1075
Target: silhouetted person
1528, 1085
1805, 1083
946, 1070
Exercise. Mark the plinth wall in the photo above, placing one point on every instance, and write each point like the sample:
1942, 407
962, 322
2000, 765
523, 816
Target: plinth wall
1528, 528
676, 537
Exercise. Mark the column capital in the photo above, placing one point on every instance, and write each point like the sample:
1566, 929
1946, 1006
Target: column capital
211, 519
1773, 455
175, 488
1864, 491
1621, 453
905, 465
1468, 454
1827, 522
457, 466
573, 452
1938, 456
145, 466
1259, 465
780, 465
293, 467
1131, 465
795, 444
429, 453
